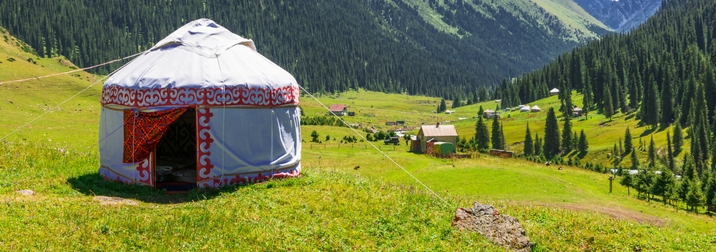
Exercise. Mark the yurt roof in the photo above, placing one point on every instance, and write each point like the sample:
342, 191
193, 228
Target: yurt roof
201, 64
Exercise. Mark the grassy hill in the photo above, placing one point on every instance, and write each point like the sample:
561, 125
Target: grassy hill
330, 207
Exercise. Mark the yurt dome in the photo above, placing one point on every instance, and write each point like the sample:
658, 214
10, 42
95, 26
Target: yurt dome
202, 108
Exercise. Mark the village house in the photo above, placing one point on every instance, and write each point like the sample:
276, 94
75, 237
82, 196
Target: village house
429, 134
339, 109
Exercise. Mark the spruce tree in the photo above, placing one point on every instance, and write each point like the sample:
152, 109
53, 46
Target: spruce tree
496, 136
607, 105
482, 135
678, 139
663, 184
627, 181
456, 103
575, 141
583, 144
667, 101
538, 145
652, 153
627, 142
634, 161
551, 136
695, 196
502, 135
650, 105
587, 99
442, 106
669, 153
567, 136
529, 144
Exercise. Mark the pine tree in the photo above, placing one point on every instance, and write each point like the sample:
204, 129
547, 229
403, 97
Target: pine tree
529, 145
482, 135
565, 97
652, 153
667, 101
627, 142
678, 139
607, 105
583, 144
695, 196
700, 135
662, 184
502, 135
669, 153
456, 103
442, 106
575, 141
634, 161
650, 105
538, 145
710, 190
627, 181
480, 113
587, 99
496, 135
567, 136
551, 136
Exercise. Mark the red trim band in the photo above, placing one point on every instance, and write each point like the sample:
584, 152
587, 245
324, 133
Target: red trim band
198, 96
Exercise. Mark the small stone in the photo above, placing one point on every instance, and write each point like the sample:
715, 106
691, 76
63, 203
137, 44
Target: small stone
26, 192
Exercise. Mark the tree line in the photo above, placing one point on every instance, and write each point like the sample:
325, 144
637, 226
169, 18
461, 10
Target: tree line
329, 46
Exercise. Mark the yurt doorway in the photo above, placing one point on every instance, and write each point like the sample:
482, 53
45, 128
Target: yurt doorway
176, 155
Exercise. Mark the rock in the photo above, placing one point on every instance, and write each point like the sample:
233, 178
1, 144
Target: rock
500, 229
26, 192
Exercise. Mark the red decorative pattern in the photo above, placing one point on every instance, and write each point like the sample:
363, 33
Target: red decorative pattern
250, 178
143, 131
203, 142
146, 170
198, 96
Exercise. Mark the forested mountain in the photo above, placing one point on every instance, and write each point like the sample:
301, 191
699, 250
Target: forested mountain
664, 69
621, 15
431, 47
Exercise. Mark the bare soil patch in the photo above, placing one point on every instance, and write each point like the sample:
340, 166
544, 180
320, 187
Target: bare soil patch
618, 213
105, 200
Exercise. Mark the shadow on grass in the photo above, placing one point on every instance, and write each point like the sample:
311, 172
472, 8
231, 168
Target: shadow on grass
93, 185
648, 131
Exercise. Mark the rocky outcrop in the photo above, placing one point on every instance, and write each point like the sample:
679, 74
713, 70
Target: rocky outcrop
620, 15
498, 228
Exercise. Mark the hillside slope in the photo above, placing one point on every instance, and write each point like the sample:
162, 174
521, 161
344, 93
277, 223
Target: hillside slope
22, 102
431, 47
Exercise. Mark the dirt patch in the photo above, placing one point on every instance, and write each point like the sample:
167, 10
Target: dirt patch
618, 213
104, 200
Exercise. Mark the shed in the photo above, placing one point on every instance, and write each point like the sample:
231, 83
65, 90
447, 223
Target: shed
576, 111
443, 148
436, 133
488, 113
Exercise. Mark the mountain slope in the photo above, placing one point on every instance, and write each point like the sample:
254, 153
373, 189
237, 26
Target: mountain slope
621, 15
432, 47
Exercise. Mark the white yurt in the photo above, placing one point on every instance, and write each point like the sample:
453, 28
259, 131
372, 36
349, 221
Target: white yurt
202, 109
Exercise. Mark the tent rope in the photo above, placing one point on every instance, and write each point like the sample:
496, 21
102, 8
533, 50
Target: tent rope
57, 107
378, 149
73, 71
